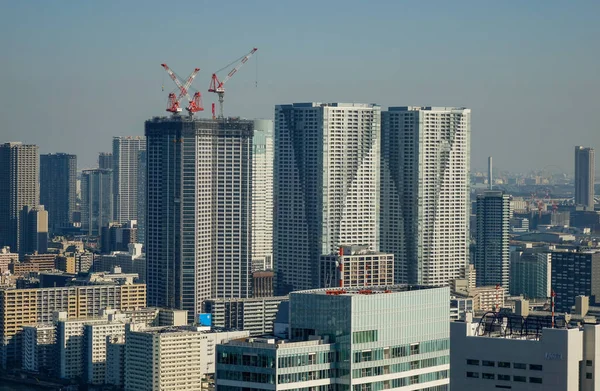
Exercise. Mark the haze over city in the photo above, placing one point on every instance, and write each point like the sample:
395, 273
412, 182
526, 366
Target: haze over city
75, 76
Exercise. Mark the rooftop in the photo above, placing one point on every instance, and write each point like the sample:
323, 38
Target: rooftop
375, 290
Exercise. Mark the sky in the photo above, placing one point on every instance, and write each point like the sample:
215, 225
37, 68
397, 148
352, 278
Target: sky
76, 73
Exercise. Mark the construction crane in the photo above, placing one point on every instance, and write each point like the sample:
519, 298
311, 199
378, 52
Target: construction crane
217, 86
195, 102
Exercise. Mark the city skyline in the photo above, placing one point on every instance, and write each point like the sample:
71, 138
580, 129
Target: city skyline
501, 58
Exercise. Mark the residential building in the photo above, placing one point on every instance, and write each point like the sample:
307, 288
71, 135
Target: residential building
117, 236
66, 264
356, 266
105, 160
132, 261
254, 315
492, 257
115, 361
199, 220
575, 274
95, 337
34, 230
22, 307
488, 356
394, 337
20, 177
326, 186
262, 195
39, 348
531, 273
460, 306
96, 200
6, 257
425, 192
58, 189
176, 358
125, 176
585, 174
44, 262
141, 201
262, 283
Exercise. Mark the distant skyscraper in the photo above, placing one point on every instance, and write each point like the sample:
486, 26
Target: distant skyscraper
58, 188
425, 192
105, 160
326, 186
125, 176
96, 200
141, 202
34, 230
585, 167
492, 256
19, 186
262, 195
198, 226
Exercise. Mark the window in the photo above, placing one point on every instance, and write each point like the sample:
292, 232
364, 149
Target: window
518, 365
504, 377
521, 379
474, 375
503, 364
536, 380
588, 363
535, 367
472, 362
489, 376
588, 376
364, 336
414, 349
488, 363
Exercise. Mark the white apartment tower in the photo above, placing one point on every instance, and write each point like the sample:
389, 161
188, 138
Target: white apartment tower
199, 211
262, 195
125, 176
425, 192
326, 186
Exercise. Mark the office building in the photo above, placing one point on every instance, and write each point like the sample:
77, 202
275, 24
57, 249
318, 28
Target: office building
262, 195
34, 230
125, 176
492, 257
425, 192
132, 261
96, 200
575, 274
459, 307
531, 273
176, 358
254, 315
394, 337
326, 186
20, 179
356, 266
198, 226
21, 307
141, 202
585, 175
58, 189
262, 283
39, 348
105, 160
486, 356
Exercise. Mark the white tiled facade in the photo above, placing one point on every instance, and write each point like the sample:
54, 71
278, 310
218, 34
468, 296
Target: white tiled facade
96, 345
326, 186
39, 347
125, 176
425, 192
262, 195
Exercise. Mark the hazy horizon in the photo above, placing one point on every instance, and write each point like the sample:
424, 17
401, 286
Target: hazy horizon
77, 75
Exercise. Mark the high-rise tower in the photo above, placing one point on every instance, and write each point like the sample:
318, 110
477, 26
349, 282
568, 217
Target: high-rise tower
19, 186
262, 195
96, 200
492, 256
326, 186
199, 221
585, 168
58, 188
125, 176
425, 192
105, 160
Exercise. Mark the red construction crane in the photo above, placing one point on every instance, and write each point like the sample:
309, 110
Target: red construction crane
195, 103
217, 86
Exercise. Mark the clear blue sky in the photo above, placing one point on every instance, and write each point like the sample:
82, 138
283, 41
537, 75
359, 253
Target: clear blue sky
76, 73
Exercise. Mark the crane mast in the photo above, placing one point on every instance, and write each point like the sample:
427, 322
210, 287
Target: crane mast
217, 86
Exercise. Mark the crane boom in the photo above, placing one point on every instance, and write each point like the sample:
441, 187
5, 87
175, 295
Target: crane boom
217, 86
195, 103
